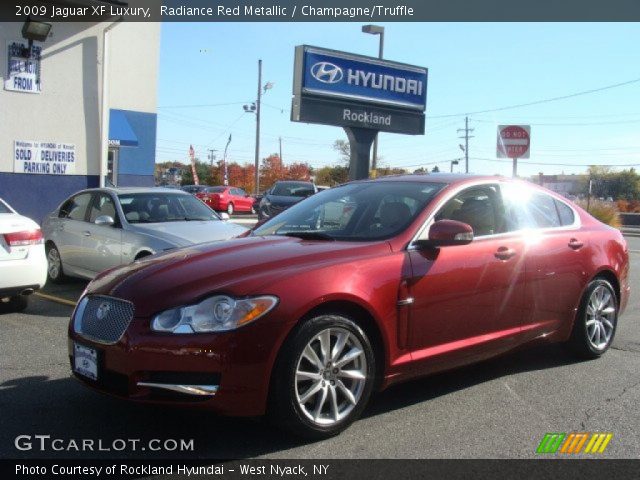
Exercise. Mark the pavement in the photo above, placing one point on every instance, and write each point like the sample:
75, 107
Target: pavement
497, 409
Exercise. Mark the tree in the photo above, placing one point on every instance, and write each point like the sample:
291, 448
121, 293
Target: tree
435, 169
272, 169
344, 149
299, 171
202, 169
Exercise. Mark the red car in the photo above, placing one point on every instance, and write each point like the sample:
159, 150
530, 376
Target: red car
227, 199
348, 292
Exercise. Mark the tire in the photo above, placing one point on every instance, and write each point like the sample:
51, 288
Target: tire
596, 321
230, 208
55, 271
333, 390
253, 210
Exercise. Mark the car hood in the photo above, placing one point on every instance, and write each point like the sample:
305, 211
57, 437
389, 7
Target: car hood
183, 234
240, 267
284, 201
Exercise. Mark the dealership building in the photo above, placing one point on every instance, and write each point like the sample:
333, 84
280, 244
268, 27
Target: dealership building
55, 97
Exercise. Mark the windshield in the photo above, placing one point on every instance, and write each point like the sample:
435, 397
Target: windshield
164, 207
194, 188
355, 212
293, 189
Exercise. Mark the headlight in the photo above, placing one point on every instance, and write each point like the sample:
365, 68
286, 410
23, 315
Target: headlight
214, 314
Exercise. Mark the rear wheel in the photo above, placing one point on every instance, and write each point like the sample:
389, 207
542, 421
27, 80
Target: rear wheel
230, 208
324, 378
55, 272
595, 325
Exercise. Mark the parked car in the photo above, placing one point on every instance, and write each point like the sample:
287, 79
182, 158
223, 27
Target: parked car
23, 263
227, 199
193, 189
98, 229
282, 195
305, 319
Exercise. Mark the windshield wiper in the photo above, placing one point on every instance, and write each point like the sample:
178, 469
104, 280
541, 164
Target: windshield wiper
309, 235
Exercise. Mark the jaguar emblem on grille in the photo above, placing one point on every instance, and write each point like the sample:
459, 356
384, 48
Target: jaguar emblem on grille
103, 310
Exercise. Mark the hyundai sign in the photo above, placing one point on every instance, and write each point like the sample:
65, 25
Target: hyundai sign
339, 88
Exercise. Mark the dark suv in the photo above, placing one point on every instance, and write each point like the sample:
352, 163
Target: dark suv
282, 195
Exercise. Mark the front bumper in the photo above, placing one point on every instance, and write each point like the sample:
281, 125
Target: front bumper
227, 372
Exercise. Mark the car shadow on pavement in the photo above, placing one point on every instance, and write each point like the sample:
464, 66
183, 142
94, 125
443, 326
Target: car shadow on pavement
63, 408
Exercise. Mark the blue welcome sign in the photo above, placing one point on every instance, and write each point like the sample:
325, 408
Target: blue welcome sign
330, 73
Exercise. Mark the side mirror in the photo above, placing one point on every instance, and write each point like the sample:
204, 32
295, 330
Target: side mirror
224, 216
447, 233
104, 220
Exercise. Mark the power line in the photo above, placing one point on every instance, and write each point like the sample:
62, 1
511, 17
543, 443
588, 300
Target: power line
466, 137
203, 105
546, 100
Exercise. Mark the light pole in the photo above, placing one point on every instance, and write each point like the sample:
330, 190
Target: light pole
375, 30
255, 108
454, 162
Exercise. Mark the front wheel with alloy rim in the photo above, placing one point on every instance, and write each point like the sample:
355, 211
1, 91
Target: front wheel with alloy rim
323, 378
55, 273
230, 208
596, 321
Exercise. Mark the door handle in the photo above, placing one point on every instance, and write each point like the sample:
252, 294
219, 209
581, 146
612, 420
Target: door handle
86, 233
505, 253
575, 244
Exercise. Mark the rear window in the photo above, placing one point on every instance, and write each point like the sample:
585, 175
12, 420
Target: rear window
216, 189
293, 189
4, 208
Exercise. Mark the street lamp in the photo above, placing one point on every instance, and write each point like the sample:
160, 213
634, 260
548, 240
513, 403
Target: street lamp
454, 162
254, 107
375, 30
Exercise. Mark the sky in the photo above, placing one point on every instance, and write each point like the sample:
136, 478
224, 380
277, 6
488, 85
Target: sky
208, 71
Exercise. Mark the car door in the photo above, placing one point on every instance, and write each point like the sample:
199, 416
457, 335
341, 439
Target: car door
240, 200
556, 257
68, 235
103, 243
467, 299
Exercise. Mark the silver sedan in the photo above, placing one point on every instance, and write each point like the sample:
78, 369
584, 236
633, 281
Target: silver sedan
97, 229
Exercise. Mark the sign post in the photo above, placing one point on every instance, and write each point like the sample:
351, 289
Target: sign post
364, 95
514, 141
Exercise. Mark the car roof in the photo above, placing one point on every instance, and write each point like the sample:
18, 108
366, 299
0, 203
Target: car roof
448, 178
123, 190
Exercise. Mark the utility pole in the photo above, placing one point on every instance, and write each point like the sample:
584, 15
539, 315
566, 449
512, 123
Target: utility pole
375, 30
280, 142
212, 156
257, 159
466, 137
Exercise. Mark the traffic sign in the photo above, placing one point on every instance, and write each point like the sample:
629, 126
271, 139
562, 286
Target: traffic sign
513, 141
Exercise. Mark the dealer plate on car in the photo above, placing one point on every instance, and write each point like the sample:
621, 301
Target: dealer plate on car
85, 361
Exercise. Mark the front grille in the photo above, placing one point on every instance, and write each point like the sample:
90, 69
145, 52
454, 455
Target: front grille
103, 319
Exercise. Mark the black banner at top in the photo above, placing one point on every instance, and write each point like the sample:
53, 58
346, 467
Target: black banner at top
322, 10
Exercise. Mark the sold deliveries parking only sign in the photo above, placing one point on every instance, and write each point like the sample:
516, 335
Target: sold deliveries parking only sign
48, 158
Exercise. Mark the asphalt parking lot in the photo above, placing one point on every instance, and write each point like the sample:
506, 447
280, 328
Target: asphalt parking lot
497, 409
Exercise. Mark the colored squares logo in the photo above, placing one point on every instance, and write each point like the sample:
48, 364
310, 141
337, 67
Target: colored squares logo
574, 443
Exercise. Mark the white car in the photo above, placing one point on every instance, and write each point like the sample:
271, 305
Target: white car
23, 263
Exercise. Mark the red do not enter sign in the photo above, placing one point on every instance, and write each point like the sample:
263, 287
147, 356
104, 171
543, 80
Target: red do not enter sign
514, 141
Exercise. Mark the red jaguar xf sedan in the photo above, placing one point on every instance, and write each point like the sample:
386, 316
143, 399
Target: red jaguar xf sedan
348, 292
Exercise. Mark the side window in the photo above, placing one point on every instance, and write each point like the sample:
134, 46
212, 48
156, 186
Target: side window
103, 206
566, 213
240, 192
529, 209
76, 207
477, 206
